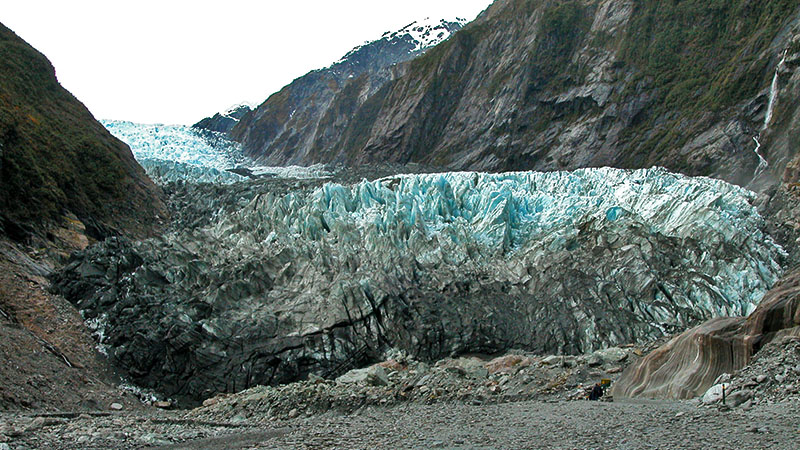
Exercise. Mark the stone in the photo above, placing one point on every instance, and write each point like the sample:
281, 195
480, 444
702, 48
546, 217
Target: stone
553, 360
210, 401
613, 355
36, 424
153, 440
316, 379
116, 406
594, 361
507, 364
725, 378
163, 404
293, 413
761, 378
713, 394
13, 432
737, 398
372, 376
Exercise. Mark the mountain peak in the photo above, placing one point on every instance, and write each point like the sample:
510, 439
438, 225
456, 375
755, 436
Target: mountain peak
416, 36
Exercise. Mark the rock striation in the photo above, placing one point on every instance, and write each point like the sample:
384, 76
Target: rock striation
320, 278
689, 364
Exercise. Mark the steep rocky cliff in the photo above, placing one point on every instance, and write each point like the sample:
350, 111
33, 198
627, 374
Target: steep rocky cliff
545, 85
56, 160
306, 118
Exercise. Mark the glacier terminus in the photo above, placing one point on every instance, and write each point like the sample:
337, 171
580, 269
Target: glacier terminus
286, 277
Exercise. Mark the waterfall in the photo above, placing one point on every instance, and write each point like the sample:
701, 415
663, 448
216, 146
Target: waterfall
773, 92
762, 163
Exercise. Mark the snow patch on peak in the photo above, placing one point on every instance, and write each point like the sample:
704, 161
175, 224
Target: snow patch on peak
422, 34
428, 32
231, 112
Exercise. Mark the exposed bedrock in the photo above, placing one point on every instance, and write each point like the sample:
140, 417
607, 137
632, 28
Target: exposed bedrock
689, 364
321, 279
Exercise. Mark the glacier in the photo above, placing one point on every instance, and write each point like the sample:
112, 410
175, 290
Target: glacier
177, 152
325, 275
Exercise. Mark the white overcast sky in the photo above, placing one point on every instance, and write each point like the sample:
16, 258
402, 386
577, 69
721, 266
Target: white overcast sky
176, 61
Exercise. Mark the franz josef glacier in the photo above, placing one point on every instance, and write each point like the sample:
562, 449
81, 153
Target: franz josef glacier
284, 278
179, 152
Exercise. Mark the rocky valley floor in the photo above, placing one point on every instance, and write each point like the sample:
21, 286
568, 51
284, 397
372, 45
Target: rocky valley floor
530, 424
511, 402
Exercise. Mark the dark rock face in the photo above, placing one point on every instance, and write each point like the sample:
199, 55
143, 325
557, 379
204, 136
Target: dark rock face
57, 160
223, 122
541, 85
307, 118
284, 280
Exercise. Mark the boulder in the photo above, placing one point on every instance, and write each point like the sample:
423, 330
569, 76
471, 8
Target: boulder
613, 355
371, 376
713, 394
738, 398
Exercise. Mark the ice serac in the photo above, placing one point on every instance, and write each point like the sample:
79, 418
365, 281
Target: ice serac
324, 278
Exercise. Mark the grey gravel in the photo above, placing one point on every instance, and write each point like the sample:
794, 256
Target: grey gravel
540, 425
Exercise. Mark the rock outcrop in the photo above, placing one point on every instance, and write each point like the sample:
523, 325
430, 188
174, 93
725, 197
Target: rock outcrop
690, 363
543, 85
324, 277
225, 121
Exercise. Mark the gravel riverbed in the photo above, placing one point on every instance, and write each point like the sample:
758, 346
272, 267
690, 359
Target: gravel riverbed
530, 424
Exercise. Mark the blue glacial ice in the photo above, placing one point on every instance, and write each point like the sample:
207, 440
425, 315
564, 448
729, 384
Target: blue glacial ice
173, 152
178, 152
501, 225
440, 264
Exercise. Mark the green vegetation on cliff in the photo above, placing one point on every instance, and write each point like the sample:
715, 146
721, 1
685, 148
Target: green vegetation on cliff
56, 159
700, 57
